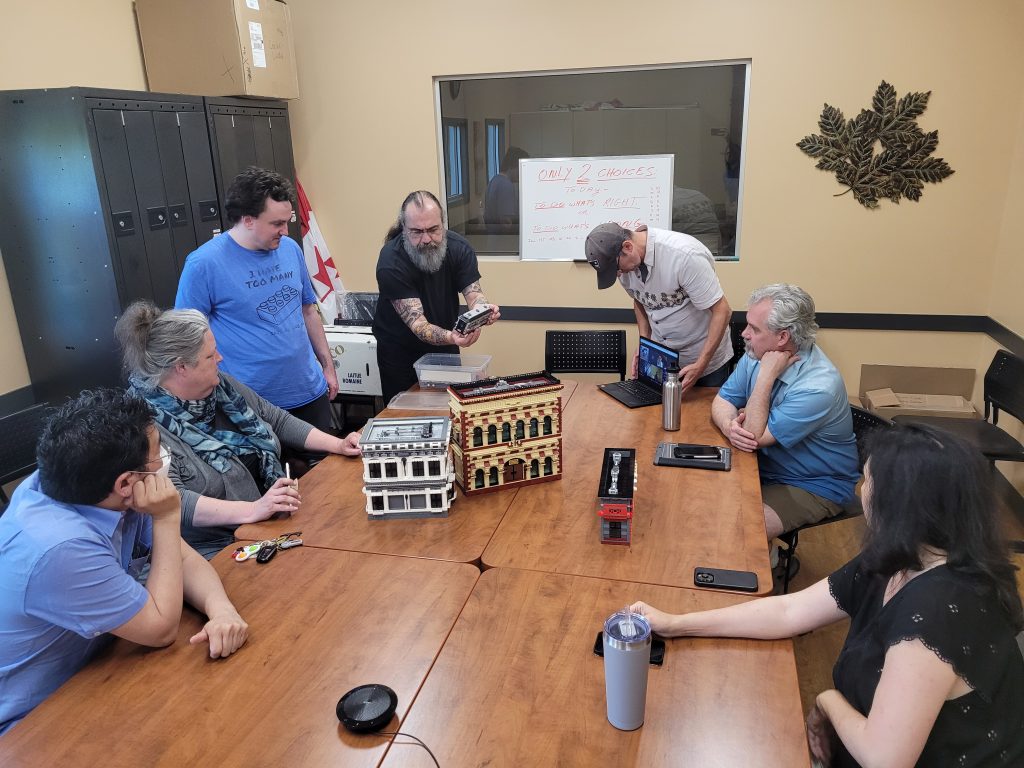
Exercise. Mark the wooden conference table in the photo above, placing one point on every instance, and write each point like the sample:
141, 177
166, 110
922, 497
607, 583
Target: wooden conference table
320, 623
517, 684
333, 515
490, 669
684, 517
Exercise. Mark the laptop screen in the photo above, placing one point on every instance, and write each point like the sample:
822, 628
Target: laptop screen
654, 360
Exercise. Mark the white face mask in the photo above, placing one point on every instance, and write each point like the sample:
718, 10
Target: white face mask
165, 465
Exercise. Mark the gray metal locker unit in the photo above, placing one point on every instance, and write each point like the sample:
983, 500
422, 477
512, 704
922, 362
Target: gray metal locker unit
106, 194
245, 132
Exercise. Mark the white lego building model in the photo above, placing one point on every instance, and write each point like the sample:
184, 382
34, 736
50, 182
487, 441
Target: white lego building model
407, 470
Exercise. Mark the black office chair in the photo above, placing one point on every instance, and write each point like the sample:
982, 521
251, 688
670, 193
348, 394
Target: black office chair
738, 345
20, 432
1004, 390
864, 422
585, 352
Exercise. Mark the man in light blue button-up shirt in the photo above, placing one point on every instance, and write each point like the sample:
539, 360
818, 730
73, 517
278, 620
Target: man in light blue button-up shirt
787, 401
75, 538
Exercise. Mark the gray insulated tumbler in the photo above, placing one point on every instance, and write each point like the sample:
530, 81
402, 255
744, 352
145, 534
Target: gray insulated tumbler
627, 654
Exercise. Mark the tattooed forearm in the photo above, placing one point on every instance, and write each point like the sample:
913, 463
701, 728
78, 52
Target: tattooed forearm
474, 294
411, 312
432, 334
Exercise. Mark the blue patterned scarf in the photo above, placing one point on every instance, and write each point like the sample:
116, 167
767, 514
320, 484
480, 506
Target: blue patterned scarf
192, 422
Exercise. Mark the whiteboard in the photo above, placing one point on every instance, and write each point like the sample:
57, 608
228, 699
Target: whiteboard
562, 199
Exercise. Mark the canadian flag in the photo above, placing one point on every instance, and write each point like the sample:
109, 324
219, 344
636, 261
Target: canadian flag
322, 272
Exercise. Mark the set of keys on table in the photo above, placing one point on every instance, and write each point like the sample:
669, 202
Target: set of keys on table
263, 551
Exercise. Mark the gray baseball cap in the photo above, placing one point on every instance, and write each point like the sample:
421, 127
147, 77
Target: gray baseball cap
604, 244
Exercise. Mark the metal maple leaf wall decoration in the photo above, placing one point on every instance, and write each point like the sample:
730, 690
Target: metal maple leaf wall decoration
900, 169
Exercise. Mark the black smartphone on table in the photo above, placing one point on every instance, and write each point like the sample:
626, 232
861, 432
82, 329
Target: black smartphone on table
710, 452
722, 578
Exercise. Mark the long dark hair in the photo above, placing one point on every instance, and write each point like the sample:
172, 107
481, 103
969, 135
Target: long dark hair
418, 198
932, 489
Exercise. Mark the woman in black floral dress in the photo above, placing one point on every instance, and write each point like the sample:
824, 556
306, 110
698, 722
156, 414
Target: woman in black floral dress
931, 673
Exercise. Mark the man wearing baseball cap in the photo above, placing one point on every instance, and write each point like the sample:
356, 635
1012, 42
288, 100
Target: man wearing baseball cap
677, 298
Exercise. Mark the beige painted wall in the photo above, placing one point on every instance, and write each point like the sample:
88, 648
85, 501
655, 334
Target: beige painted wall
896, 259
364, 136
1007, 303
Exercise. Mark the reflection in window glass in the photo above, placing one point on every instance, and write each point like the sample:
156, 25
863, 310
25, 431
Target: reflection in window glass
456, 161
694, 113
495, 146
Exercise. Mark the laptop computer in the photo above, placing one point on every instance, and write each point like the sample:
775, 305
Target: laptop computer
645, 389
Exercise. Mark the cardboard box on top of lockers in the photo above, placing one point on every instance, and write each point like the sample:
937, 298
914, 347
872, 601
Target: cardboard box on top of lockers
218, 47
902, 390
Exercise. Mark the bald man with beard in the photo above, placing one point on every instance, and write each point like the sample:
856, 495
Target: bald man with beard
422, 269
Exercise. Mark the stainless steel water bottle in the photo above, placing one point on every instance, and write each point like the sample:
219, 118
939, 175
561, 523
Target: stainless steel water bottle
671, 399
627, 654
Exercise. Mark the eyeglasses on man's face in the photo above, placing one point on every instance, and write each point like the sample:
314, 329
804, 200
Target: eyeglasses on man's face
164, 458
433, 231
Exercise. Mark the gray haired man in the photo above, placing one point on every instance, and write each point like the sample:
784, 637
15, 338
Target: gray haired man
787, 401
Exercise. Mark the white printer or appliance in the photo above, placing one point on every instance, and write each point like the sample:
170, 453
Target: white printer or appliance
353, 346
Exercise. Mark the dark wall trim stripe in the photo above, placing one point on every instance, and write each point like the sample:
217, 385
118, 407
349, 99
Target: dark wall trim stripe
867, 321
1004, 337
881, 322
24, 397
568, 315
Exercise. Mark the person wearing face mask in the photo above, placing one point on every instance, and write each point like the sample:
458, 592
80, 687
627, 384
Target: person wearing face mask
77, 534
224, 439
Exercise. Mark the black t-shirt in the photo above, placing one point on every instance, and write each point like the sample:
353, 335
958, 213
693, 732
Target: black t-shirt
439, 292
965, 626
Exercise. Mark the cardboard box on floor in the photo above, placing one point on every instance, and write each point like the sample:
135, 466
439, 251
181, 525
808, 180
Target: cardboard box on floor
218, 47
898, 390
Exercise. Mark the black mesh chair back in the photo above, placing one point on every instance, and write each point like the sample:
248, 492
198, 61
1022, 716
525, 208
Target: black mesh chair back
1004, 386
864, 422
738, 346
585, 352
20, 432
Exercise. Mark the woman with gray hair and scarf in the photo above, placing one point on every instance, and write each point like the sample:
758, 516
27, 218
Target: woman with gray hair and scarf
225, 440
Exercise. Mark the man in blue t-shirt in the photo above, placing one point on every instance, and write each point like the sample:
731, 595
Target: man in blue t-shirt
76, 536
252, 283
787, 401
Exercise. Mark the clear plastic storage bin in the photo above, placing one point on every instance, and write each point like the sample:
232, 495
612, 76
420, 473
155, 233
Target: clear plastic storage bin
437, 370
